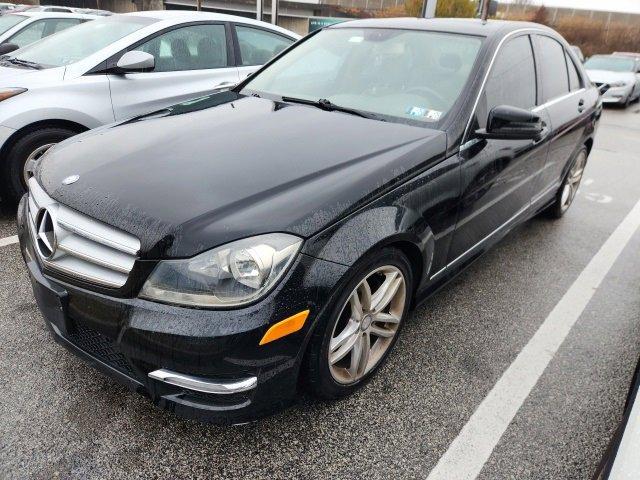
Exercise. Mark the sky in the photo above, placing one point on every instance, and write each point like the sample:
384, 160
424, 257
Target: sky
631, 6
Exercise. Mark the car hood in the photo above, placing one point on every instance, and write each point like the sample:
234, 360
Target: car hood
196, 176
25, 77
605, 76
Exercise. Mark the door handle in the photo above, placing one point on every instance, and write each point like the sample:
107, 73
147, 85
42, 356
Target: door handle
222, 85
581, 105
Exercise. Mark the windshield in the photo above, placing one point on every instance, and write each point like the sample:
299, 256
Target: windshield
10, 20
77, 43
612, 64
402, 74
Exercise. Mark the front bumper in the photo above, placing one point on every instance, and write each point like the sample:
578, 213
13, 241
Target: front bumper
203, 364
617, 95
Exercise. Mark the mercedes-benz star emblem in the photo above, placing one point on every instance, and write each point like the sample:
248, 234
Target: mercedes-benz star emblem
71, 179
46, 234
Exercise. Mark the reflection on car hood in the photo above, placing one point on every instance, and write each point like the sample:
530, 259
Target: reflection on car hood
605, 76
24, 77
188, 178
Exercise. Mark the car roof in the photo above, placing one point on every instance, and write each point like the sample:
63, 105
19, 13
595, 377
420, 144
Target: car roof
54, 15
178, 16
470, 26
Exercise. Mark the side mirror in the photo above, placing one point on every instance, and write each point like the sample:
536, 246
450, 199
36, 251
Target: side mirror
604, 88
8, 48
512, 123
135, 61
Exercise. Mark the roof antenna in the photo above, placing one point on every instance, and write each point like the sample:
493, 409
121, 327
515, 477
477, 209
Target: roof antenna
429, 8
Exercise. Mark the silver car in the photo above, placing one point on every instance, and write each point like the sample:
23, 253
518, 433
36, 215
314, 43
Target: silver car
22, 29
115, 68
621, 73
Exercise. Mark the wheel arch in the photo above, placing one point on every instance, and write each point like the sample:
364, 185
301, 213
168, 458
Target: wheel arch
32, 127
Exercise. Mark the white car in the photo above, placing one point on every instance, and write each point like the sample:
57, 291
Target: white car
115, 68
621, 73
22, 29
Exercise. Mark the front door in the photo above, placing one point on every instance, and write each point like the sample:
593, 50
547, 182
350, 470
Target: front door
190, 61
498, 175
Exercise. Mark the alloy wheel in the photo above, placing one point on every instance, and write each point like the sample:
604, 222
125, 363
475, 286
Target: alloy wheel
32, 162
367, 324
571, 184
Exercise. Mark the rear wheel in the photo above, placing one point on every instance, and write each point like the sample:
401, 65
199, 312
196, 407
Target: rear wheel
24, 156
351, 343
567, 192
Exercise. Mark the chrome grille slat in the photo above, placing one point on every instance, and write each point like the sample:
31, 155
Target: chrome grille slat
85, 248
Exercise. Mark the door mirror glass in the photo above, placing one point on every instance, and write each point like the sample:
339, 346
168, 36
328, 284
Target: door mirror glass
512, 123
7, 48
136, 61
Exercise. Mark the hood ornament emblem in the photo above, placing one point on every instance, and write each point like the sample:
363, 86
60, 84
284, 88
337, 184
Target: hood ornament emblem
71, 179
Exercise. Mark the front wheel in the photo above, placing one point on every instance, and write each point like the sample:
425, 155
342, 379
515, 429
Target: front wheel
24, 156
567, 192
351, 343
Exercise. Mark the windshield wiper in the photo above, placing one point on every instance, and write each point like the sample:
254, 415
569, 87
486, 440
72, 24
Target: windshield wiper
24, 63
327, 105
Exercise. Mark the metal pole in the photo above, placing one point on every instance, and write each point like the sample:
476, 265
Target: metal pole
274, 12
259, 8
429, 8
485, 10
198, 5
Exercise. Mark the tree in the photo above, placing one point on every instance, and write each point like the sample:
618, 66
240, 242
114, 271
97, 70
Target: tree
445, 8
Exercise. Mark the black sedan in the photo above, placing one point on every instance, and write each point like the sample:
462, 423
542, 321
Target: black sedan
221, 254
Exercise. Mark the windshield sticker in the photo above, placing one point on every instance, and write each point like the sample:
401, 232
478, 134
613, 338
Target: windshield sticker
417, 111
427, 113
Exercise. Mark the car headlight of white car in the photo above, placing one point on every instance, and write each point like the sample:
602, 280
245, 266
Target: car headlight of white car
227, 276
10, 92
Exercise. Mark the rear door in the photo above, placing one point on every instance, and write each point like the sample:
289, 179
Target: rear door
190, 61
567, 104
256, 46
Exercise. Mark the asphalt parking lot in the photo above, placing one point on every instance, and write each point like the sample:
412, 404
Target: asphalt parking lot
62, 419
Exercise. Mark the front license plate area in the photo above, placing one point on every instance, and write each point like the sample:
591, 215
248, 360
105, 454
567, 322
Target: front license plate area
52, 305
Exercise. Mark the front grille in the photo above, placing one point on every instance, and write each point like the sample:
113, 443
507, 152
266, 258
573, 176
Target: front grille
101, 347
77, 245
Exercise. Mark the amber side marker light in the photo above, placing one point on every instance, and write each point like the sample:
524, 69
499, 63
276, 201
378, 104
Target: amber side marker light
285, 327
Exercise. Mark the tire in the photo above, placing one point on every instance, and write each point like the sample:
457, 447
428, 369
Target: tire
12, 168
627, 102
335, 380
567, 191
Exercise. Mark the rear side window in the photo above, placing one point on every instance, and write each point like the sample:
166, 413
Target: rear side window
29, 34
574, 78
512, 80
257, 46
64, 23
553, 68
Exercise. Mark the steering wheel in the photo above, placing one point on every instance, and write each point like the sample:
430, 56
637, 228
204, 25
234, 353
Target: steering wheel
432, 94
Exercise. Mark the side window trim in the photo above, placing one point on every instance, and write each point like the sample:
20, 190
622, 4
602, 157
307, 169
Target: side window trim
236, 42
113, 59
465, 141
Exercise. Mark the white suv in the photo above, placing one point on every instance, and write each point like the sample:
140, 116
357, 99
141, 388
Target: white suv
117, 67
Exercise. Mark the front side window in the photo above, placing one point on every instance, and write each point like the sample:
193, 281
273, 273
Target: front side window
258, 46
9, 21
553, 68
405, 75
75, 44
196, 47
512, 80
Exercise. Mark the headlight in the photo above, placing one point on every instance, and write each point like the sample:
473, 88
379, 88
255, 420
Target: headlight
227, 276
10, 92
619, 83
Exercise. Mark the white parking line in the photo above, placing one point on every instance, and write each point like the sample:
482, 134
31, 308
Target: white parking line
471, 449
8, 241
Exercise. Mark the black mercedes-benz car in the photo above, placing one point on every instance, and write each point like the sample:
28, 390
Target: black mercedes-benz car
220, 254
